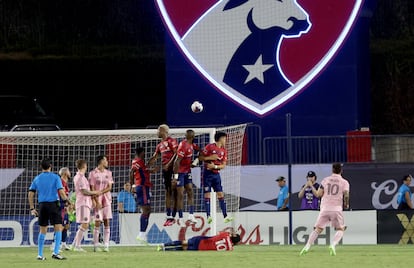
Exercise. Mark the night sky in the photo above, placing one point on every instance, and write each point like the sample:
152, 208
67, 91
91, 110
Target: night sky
94, 64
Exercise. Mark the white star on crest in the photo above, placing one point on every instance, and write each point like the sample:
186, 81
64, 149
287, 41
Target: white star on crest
257, 70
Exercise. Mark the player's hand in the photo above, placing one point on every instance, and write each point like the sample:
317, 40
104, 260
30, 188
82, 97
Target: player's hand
194, 163
210, 166
214, 157
165, 167
34, 212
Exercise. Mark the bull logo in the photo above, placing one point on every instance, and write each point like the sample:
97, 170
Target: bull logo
259, 53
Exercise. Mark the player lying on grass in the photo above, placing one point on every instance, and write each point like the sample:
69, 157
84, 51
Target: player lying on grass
221, 242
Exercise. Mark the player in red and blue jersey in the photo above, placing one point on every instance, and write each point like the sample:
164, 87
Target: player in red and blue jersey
214, 156
167, 148
182, 176
139, 175
223, 241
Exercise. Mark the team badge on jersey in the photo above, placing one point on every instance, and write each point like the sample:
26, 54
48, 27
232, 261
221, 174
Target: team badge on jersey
259, 53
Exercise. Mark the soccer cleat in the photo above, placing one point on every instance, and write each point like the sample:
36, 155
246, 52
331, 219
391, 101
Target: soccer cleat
66, 247
40, 258
106, 249
228, 219
209, 219
78, 249
169, 222
303, 251
160, 248
58, 257
332, 251
142, 240
192, 219
97, 249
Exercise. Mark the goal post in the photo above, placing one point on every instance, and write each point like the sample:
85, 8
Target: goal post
21, 153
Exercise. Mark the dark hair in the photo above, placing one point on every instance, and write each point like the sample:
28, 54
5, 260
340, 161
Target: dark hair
406, 177
139, 150
218, 135
235, 239
337, 168
46, 163
99, 159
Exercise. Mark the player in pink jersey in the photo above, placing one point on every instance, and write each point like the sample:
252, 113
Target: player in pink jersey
334, 194
83, 203
100, 179
214, 156
182, 176
167, 149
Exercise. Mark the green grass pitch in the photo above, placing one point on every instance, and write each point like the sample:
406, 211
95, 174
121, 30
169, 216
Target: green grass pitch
242, 256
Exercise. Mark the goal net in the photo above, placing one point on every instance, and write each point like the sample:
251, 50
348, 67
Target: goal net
21, 153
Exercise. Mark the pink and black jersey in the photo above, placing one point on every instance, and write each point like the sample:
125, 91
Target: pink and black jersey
185, 151
166, 148
141, 173
212, 149
100, 180
333, 187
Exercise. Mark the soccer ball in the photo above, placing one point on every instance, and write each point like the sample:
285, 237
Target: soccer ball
197, 107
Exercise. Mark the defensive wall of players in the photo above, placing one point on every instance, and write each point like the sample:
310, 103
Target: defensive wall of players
373, 217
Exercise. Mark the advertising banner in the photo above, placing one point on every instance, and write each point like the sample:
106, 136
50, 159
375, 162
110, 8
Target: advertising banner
396, 227
24, 230
257, 228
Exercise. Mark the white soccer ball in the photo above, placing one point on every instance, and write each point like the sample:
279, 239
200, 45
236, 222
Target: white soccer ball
197, 107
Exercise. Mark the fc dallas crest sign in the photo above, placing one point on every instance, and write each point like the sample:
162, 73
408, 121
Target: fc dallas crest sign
259, 53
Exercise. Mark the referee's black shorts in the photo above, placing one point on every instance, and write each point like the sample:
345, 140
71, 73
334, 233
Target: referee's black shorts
49, 213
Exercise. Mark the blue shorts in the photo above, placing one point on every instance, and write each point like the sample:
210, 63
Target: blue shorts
211, 180
143, 195
184, 179
194, 242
